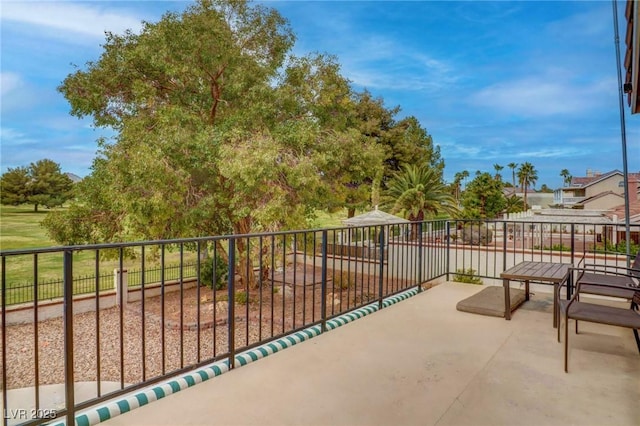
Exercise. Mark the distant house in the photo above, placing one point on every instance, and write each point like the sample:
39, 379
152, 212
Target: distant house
534, 199
74, 178
596, 191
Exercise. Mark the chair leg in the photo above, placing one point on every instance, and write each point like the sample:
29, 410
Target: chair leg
634, 306
566, 343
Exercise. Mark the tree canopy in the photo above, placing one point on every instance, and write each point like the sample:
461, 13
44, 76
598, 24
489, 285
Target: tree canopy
483, 197
41, 183
220, 129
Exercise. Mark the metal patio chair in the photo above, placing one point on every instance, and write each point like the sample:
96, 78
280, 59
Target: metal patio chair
579, 310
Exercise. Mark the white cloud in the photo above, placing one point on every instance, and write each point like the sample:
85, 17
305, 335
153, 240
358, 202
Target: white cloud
11, 136
385, 64
542, 97
9, 82
84, 19
550, 152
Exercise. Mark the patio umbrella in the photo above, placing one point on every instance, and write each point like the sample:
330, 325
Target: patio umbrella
374, 217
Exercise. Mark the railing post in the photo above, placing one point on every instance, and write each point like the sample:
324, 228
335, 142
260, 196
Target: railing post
231, 315
323, 283
3, 315
573, 241
381, 267
69, 380
448, 259
504, 246
121, 284
420, 256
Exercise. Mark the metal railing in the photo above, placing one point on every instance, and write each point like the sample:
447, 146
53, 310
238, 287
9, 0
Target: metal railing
232, 293
84, 284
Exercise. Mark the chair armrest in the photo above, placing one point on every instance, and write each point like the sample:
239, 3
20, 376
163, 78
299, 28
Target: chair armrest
615, 269
605, 284
607, 266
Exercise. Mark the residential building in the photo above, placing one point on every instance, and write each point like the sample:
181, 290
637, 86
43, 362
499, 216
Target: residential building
596, 191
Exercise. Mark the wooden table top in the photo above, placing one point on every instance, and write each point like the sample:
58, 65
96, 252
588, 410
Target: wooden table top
544, 271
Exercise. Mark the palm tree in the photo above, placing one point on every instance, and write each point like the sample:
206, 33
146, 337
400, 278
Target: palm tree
566, 177
513, 204
417, 192
465, 175
456, 184
513, 166
498, 167
527, 175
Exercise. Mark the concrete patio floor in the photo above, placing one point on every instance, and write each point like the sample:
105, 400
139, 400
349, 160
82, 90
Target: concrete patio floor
422, 362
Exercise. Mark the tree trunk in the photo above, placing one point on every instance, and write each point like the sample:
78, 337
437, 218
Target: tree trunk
245, 267
35, 208
351, 212
415, 226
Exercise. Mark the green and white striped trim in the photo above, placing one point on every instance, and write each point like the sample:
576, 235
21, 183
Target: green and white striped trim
127, 403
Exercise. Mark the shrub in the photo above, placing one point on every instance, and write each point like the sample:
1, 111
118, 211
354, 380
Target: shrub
206, 272
475, 234
555, 247
620, 247
345, 280
467, 276
241, 298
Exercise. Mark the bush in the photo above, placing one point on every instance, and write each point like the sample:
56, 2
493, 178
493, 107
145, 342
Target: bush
555, 247
475, 234
241, 297
620, 247
467, 276
206, 272
345, 280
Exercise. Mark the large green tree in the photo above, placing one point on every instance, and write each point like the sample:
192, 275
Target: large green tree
483, 197
42, 183
403, 142
14, 186
527, 175
219, 129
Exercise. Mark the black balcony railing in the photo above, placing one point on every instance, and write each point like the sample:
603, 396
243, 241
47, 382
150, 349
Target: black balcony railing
182, 304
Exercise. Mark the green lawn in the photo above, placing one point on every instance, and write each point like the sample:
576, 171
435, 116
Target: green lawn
20, 228
329, 220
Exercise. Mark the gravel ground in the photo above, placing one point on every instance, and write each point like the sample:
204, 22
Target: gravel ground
265, 315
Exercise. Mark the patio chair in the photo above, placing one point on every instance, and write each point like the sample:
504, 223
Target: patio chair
579, 310
618, 277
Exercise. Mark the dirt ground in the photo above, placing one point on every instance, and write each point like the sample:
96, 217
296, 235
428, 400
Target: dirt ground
186, 327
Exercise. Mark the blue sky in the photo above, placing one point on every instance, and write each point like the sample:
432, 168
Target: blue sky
492, 82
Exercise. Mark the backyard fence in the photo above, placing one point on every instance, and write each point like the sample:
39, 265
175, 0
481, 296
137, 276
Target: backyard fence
86, 284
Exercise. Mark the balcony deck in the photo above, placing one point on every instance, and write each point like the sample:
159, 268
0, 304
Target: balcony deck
423, 362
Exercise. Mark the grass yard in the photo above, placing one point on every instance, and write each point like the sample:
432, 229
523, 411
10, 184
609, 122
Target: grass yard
20, 229
329, 220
